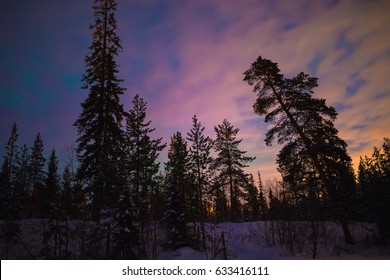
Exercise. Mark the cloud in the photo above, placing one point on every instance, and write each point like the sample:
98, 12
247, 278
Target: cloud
215, 42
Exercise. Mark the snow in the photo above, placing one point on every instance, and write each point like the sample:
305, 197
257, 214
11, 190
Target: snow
243, 241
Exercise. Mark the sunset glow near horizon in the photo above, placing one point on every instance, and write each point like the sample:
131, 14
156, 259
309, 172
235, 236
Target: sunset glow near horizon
187, 58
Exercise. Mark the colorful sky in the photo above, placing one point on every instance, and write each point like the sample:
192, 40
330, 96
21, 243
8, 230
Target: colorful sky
187, 57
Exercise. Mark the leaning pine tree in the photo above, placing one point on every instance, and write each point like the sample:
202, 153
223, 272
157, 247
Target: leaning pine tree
305, 125
99, 125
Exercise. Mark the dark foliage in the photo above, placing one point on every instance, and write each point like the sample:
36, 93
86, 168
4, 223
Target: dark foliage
99, 126
374, 185
313, 151
177, 180
230, 162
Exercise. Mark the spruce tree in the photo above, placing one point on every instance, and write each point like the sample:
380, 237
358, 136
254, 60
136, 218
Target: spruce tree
9, 202
218, 191
142, 152
8, 195
53, 239
127, 240
66, 207
230, 162
262, 201
274, 203
305, 125
37, 177
51, 191
175, 220
99, 125
22, 184
66, 196
252, 206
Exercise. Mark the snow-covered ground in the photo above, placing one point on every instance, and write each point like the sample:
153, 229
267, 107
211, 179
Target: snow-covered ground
244, 241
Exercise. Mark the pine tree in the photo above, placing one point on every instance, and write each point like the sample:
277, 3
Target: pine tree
174, 219
99, 125
305, 124
142, 152
37, 177
230, 162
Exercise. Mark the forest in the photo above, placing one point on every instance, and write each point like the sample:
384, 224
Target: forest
115, 200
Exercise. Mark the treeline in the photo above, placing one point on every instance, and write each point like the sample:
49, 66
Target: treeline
204, 182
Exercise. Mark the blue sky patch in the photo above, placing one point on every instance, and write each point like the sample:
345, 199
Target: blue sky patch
314, 63
351, 90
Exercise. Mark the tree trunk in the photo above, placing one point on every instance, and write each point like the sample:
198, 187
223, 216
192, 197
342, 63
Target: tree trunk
329, 188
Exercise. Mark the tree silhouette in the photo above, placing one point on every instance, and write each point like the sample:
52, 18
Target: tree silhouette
142, 152
99, 125
8, 192
230, 162
305, 124
200, 161
175, 219
9, 195
374, 183
37, 177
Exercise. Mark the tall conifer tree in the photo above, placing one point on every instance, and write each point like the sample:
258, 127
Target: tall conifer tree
37, 177
9, 198
8, 195
51, 191
99, 125
200, 161
175, 220
22, 184
142, 152
262, 200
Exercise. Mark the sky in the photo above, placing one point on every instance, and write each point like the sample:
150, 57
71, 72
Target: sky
187, 57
